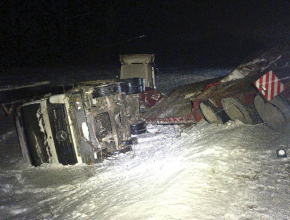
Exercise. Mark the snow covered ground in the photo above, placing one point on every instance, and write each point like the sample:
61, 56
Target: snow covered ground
205, 171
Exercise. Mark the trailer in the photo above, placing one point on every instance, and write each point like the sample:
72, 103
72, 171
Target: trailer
257, 91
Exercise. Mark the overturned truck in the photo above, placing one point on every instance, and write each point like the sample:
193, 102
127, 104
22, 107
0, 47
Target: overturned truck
96, 119
84, 125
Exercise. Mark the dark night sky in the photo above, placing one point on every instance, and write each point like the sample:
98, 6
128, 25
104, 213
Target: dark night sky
200, 33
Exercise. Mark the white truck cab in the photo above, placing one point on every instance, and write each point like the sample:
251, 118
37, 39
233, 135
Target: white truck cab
139, 65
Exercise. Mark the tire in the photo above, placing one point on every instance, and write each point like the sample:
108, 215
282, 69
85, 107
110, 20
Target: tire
103, 90
212, 114
276, 113
117, 87
134, 85
238, 111
138, 128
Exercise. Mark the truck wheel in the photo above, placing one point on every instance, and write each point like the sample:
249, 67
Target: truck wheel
212, 114
236, 110
138, 128
276, 113
103, 90
119, 87
135, 85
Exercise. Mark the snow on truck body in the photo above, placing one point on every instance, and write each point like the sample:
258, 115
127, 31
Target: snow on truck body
81, 126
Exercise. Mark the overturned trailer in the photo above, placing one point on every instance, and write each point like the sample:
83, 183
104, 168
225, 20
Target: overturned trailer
257, 91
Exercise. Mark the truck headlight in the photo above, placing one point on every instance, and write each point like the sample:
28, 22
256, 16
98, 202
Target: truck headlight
78, 105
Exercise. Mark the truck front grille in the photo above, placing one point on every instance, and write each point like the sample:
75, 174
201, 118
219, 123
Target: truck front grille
61, 134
